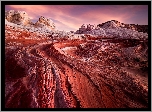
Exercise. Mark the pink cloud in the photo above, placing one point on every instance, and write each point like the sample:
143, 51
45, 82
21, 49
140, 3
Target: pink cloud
120, 13
53, 11
69, 15
32, 10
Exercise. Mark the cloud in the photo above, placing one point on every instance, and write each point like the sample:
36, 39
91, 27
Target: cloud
61, 26
125, 13
49, 11
73, 16
32, 10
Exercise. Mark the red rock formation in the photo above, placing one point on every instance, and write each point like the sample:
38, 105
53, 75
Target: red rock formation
41, 74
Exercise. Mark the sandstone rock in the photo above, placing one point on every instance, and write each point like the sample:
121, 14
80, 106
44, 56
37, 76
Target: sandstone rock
139, 28
21, 21
42, 22
17, 17
43, 74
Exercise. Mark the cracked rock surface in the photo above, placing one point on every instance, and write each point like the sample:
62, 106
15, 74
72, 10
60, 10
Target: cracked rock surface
40, 73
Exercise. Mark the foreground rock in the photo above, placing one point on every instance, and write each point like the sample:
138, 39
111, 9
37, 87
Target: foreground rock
88, 73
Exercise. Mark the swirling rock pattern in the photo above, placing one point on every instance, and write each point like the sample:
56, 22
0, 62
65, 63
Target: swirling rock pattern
44, 74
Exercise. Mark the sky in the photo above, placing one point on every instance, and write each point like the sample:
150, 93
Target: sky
71, 17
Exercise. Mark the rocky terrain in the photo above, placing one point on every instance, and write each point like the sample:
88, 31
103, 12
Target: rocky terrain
139, 28
45, 68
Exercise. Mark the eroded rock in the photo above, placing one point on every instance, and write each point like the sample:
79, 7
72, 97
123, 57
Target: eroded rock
74, 73
17, 17
42, 22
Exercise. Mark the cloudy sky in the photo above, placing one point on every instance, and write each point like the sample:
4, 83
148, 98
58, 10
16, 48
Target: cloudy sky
71, 17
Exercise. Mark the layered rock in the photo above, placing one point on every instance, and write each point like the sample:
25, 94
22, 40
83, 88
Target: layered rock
115, 29
17, 17
95, 73
91, 29
115, 23
110, 24
45, 22
21, 19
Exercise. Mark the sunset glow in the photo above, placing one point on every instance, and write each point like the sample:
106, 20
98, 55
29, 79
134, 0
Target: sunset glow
76, 55
71, 17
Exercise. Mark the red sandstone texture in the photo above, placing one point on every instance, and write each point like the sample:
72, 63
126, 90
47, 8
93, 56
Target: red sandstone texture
74, 73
